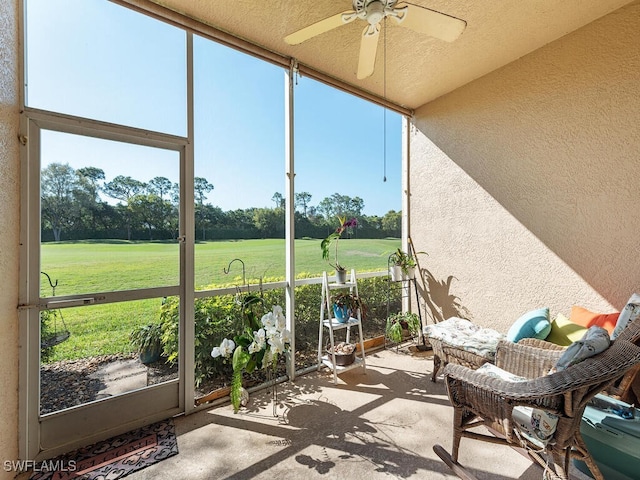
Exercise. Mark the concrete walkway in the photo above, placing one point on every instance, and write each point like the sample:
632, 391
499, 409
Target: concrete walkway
120, 377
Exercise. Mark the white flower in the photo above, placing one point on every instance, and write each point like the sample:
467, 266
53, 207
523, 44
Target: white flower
277, 311
225, 349
269, 321
280, 319
260, 338
253, 348
277, 345
274, 321
286, 336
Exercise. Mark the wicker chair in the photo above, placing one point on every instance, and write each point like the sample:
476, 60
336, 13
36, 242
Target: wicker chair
445, 352
479, 399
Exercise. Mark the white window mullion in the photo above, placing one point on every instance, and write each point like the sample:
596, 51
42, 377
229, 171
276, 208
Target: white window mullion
406, 200
187, 269
290, 266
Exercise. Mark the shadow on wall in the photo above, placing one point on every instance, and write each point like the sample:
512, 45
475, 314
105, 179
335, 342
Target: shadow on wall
439, 302
546, 152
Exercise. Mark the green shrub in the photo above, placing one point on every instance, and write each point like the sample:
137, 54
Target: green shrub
307, 315
376, 292
220, 317
215, 319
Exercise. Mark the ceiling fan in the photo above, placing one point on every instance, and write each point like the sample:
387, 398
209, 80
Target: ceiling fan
419, 19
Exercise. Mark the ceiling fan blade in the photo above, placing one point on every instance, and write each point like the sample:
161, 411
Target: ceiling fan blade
432, 23
368, 49
322, 26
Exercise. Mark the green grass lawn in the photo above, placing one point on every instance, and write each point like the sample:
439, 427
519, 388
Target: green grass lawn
93, 266
266, 258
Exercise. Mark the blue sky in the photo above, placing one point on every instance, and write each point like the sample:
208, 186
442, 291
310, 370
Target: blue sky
95, 59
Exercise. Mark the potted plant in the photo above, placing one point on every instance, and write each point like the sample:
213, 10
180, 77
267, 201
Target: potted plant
346, 305
262, 340
147, 340
341, 272
402, 266
402, 324
345, 353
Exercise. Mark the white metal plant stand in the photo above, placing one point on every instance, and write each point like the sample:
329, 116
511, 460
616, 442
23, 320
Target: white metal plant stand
328, 321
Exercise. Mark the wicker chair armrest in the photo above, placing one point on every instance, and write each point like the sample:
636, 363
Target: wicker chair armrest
465, 379
525, 360
588, 376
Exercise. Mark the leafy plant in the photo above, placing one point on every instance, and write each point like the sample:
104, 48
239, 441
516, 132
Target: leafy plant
333, 238
214, 317
400, 321
259, 344
350, 300
146, 337
403, 260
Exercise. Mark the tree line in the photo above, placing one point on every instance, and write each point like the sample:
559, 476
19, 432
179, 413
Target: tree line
73, 208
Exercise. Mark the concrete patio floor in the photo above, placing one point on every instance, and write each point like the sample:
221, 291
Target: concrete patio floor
381, 424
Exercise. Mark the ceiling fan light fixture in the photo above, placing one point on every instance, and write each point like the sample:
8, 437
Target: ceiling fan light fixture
375, 11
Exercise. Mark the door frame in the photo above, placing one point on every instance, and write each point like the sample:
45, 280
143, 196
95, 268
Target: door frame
47, 436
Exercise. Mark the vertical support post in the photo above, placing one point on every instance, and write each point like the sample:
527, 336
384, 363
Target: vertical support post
290, 267
29, 269
324, 310
406, 204
187, 251
29, 292
354, 280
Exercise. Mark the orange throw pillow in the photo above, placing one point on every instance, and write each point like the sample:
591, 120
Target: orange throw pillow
587, 319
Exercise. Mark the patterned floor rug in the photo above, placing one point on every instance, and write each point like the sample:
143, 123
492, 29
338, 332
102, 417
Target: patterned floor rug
114, 458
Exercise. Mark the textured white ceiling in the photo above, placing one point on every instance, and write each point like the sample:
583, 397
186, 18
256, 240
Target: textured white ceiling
419, 68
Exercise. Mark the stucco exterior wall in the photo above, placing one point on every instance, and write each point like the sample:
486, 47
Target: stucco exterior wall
9, 232
524, 183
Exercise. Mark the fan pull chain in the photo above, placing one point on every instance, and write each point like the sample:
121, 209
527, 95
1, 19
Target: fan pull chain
384, 95
384, 145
